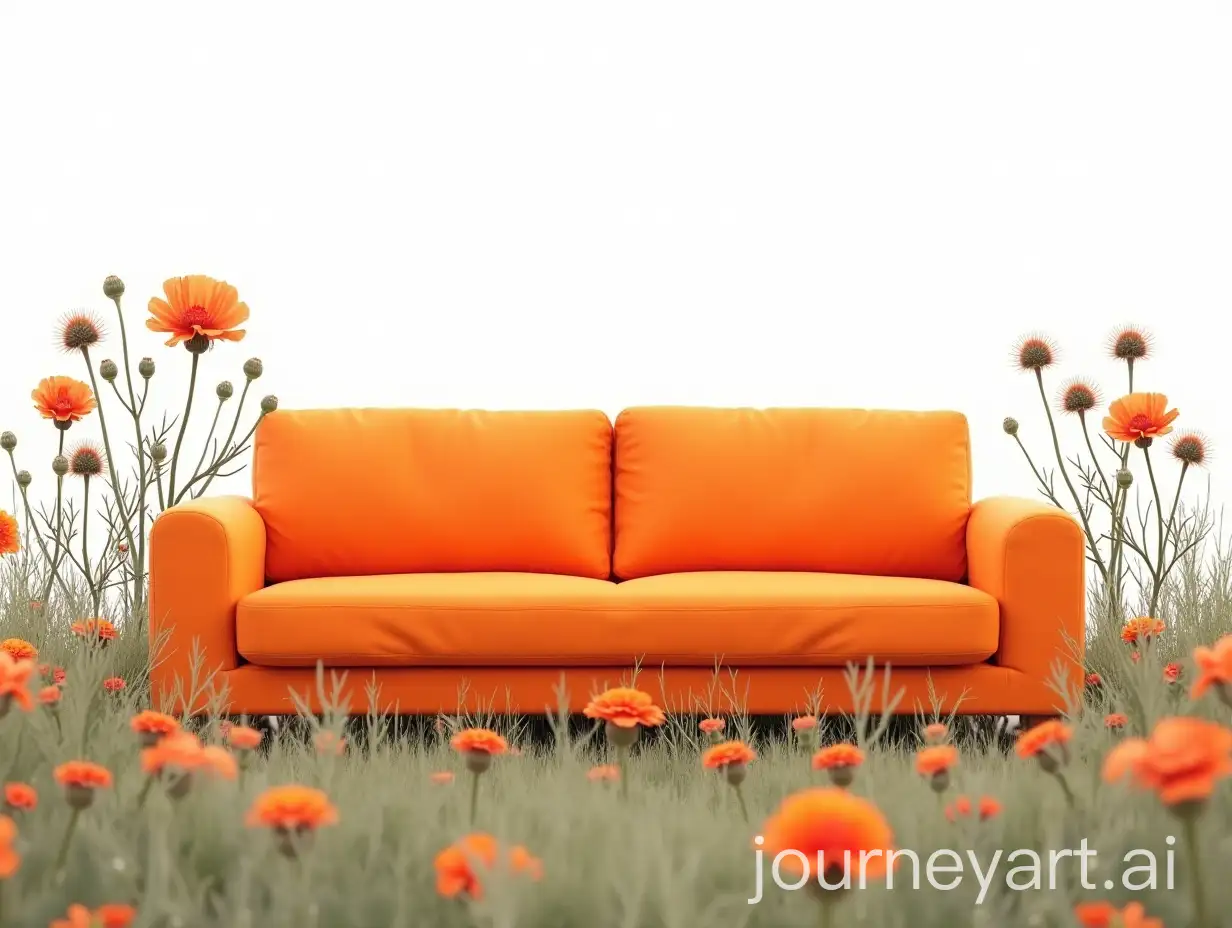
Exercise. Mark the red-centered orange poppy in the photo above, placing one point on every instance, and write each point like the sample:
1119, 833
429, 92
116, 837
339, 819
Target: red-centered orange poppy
63, 399
1139, 416
198, 307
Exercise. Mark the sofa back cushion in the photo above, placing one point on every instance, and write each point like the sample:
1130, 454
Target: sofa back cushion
348, 492
852, 491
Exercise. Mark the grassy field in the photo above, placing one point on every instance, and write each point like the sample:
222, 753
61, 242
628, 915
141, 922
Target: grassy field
667, 847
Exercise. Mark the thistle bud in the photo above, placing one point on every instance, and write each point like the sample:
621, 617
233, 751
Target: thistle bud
113, 288
253, 368
146, 368
1010, 425
269, 404
224, 390
158, 452
108, 370
23, 478
1124, 479
59, 464
8, 441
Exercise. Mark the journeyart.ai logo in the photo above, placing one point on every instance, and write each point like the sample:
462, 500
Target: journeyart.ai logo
947, 869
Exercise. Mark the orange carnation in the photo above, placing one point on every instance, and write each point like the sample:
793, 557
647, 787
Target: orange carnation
1045, 739
1139, 417
461, 867
102, 630
479, 741
711, 726
81, 779
292, 809
726, 754
1181, 760
935, 733
936, 760
804, 723
19, 649
1214, 669
198, 310
838, 755
63, 400
831, 828
1141, 629
20, 796
243, 738
1116, 720
625, 707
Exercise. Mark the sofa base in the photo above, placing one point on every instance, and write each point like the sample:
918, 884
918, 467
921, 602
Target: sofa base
984, 689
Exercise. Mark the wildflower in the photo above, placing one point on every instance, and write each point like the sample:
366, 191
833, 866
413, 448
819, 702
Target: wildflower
935, 763
603, 773
1115, 720
1140, 418
1191, 449
180, 755
152, 726
99, 631
1034, 353
935, 733
86, 460
961, 807
1141, 630
10, 860
713, 729
807, 731
14, 683
732, 758
1130, 343
114, 684
830, 828
327, 742
1214, 670
624, 712
112, 915
479, 746
243, 738
803, 723
79, 330
1009, 425
10, 534
49, 695
1181, 760
1172, 672
1106, 915
81, 779
1046, 742
840, 762
1094, 680
19, 649
198, 311
1078, 396
462, 867
293, 813
20, 797
442, 777
58, 676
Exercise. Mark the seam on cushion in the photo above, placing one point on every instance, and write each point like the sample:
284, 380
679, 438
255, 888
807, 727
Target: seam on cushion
974, 657
559, 610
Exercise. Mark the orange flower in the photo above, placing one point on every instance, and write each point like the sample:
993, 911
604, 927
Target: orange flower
14, 683
243, 738
96, 629
81, 779
936, 760
1139, 417
10, 534
10, 860
460, 868
838, 755
442, 777
183, 753
1046, 742
1106, 915
478, 740
804, 723
1094, 680
86, 460
1172, 672
1078, 396
711, 726
1034, 352
1191, 448
58, 676
935, 733
151, 726
19, 649
1214, 669
1130, 343
624, 707
292, 808
1181, 760
1116, 720
49, 695
824, 824
603, 773
114, 684
80, 329
63, 400
1141, 629
198, 310
105, 916
326, 742
20, 796
961, 808
728, 754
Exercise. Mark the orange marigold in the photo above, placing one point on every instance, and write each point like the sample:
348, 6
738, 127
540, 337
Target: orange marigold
114, 684
112, 915
625, 707
198, 311
961, 807
63, 400
49, 695
1214, 669
935, 733
838, 755
96, 629
81, 779
603, 773
479, 740
182, 752
936, 760
10, 860
461, 867
726, 754
10, 534
830, 827
1116, 720
19, 649
1045, 740
20, 796
243, 738
15, 683
1181, 760
292, 808
1172, 672
1139, 417
804, 723
1106, 915
711, 726
1141, 629
151, 725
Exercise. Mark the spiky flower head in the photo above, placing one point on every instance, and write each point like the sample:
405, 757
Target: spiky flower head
8, 441
269, 404
146, 368
1010, 425
108, 370
24, 479
224, 391
1035, 352
1130, 343
86, 460
158, 452
1079, 396
79, 330
113, 288
1124, 479
59, 465
1191, 448
253, 368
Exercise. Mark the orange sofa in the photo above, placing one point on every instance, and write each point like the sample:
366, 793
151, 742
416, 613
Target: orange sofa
434, 552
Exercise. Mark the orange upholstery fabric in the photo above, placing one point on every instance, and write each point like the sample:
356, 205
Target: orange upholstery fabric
834, 490
381, 491
686, 620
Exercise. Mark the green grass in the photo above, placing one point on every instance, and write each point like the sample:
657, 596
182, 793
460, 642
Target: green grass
675, 853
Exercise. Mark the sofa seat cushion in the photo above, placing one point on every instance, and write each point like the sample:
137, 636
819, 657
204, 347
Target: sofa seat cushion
686, 620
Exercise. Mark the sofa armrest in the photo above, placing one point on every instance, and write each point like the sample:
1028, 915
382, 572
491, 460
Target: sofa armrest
1031, 557
205, 555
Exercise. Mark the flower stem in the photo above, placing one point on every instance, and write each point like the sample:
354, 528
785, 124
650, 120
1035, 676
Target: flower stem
55, 564
179, 439
206, 446
824, 920
474, 797
38, 536
1201, 917
62, 854
744, 809
145, 792
85, 544
142, 482
214, 465
622, 766
1157, 580
1064, 783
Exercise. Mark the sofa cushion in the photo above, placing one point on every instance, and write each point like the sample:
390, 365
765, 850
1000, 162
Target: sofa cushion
837, 490
384, 491
691, 619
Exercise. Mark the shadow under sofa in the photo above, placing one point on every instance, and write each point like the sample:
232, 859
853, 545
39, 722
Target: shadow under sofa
429, 553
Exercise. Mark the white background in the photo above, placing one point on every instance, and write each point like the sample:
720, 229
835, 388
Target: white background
534, 205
